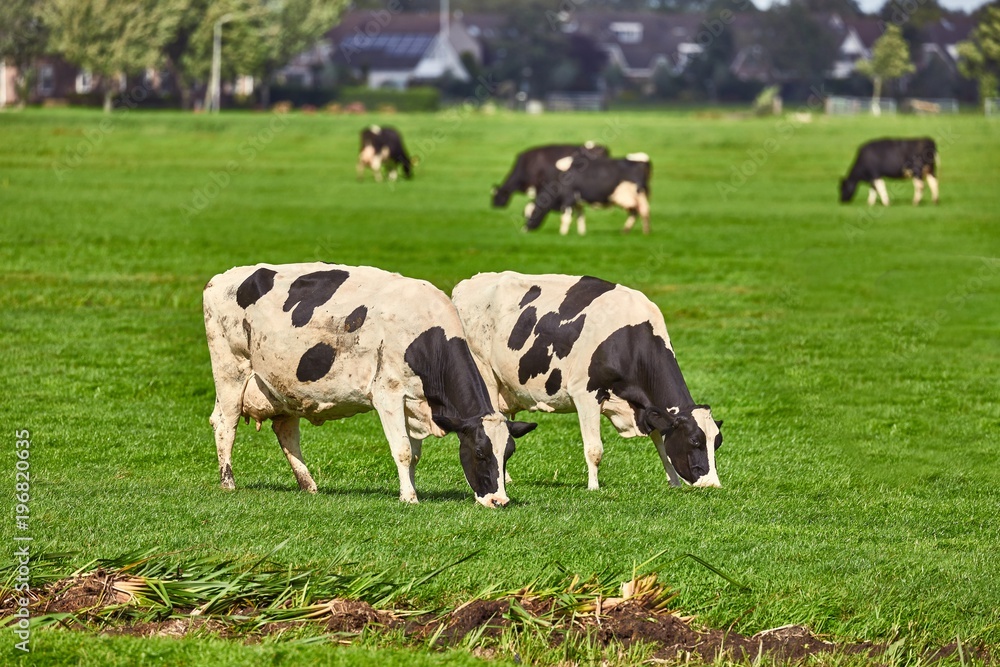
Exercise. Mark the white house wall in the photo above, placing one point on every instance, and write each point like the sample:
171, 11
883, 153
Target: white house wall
440, 58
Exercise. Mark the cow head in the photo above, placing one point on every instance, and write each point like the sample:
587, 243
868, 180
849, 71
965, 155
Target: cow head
501, 197
847, 189
485, 444
691, 437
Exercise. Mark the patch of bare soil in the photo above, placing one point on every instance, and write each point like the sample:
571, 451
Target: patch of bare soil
618, 622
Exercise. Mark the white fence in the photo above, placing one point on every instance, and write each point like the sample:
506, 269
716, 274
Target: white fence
933, 105
575, 102
850, 106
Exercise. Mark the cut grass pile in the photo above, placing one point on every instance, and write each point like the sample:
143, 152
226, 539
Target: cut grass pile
598, 618
852, 353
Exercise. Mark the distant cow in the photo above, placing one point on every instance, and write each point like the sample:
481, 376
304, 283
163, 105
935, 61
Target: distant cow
599, 182
893, 158
531, 166
323, 341
382, 149
580, 344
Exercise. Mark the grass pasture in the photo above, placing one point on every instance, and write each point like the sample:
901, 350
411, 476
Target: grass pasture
852, 353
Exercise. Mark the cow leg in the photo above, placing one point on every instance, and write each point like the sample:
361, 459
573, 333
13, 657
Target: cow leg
224, 423
661, 449
933, 183
287, 431
566, 221
883, 194
581, 224
872, 195
589, 414
629, 222
405, 449
918, 190
644, 212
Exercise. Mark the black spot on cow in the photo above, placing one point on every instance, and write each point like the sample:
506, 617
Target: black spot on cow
522, 329
554, 382
315, 363
310, 291
356, 319
635, 364
552, 337
533, 293
256, 285
458, 399
581, 295
246, 330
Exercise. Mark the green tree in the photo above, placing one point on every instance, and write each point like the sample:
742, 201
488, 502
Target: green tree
979, 56
799, 48
890, 60
292, 26
23, 37
110, 37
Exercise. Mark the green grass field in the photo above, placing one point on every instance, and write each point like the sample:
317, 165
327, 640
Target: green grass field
852, 353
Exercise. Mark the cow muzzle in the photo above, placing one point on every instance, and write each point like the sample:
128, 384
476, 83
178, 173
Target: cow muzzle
710, 480
493, 500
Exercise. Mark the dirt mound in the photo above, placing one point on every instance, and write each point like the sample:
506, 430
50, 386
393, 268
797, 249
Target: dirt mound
611, 622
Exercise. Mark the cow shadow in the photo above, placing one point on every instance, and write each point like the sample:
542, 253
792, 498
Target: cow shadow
346, 491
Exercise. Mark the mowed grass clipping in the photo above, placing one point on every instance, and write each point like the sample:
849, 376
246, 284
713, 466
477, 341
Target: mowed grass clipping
852, 353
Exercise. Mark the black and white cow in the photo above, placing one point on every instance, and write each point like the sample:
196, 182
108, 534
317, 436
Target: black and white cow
598, 182
892, 158
532, 166
382, 149
323, 341
580, 344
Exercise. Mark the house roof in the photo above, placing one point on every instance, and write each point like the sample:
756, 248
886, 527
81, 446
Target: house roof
384, 41
659, 38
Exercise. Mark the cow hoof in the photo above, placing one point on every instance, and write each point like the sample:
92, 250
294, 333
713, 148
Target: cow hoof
228, 485
411, 500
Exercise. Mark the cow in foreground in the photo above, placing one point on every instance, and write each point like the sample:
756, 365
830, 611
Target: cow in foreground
382, 149
580, 344
531, 168
323, 341
893, 158
598, 182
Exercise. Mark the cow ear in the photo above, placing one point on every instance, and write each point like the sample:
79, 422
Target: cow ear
517, 429
447, 424
659, 420
718, 423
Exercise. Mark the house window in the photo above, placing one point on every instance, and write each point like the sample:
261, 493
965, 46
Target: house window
84, 82
627, 32
46, 80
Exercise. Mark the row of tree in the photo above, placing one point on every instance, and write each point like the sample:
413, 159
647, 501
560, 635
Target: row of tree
113, 37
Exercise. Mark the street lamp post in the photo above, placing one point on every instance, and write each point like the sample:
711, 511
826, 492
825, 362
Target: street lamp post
215, 84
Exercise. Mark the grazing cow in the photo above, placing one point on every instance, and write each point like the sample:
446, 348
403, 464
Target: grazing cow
382, 148
893, 158
599, 182
532, 165
580, 344
323, 341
